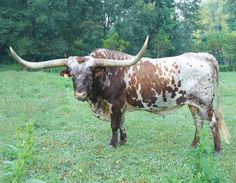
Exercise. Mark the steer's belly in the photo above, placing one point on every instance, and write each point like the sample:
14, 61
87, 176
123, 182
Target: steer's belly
160, 102
164, 110
161, 109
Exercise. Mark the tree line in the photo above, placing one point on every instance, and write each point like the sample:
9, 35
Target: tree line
45, 29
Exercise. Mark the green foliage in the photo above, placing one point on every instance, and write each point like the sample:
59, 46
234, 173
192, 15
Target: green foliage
47, 29
18, 157
229, 48
162, 44
188, 22
213, 43
230, 10
43, 29
204, 166
221, 45
216, 34
112, 41
143, 18
228, 68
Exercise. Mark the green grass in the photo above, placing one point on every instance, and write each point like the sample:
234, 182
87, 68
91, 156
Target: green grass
70, 144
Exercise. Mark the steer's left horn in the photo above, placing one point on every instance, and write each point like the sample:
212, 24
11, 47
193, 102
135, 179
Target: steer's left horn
39, 65
122, 63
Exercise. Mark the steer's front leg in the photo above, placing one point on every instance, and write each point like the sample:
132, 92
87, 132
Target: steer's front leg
116, 119
123, 136
115, 123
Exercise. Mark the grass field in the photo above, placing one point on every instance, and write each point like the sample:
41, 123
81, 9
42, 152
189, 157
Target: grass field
69, 144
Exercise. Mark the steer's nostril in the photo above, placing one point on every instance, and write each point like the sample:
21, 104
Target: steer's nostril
80, 95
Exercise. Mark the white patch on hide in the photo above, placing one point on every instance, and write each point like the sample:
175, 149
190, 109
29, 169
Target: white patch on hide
107, 83
128, 75
138, 92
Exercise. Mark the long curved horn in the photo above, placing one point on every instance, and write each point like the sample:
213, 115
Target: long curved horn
122, 63
39, 65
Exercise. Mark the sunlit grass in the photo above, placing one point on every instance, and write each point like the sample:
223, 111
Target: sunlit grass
70, 144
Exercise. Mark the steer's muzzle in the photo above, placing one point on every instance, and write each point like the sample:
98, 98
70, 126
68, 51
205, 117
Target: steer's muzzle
80, 95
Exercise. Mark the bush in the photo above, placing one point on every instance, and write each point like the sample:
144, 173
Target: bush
227, 68
203, 163
17, 157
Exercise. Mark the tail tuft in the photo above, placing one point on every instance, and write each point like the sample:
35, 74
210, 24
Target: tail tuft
224, 133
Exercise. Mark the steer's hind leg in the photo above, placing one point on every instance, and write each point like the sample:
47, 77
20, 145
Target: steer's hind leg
123, 136
215, 129
208, 114
198, 124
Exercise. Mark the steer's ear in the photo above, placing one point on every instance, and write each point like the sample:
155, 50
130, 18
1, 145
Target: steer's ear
65, 73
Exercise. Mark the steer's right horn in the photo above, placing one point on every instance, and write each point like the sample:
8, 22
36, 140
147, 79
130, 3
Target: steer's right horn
39, 65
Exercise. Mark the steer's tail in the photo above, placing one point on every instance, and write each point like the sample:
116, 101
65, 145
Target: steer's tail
221, 124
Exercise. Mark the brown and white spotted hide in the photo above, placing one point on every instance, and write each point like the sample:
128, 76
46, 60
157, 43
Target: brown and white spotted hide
156, 85
163, 85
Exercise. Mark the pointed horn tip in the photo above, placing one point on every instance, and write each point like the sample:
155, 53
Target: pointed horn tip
146, 43
144, 48
12, 51
147, 38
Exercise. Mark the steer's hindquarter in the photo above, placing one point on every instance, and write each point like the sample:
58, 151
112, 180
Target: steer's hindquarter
163, 85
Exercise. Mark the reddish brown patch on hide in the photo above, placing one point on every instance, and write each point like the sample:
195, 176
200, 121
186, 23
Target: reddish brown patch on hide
153, 82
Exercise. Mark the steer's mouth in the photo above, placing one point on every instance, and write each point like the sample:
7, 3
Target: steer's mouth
82, 96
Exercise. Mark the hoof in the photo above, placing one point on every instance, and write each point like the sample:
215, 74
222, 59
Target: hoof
193, 146
123, 142
109, 146
217, 151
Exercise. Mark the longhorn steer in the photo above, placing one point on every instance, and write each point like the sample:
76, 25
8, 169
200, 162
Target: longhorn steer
112, 83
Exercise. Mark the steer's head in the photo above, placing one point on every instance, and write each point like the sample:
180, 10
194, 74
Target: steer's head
80, 68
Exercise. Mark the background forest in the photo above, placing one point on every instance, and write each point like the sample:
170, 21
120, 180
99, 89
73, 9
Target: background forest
45, 29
